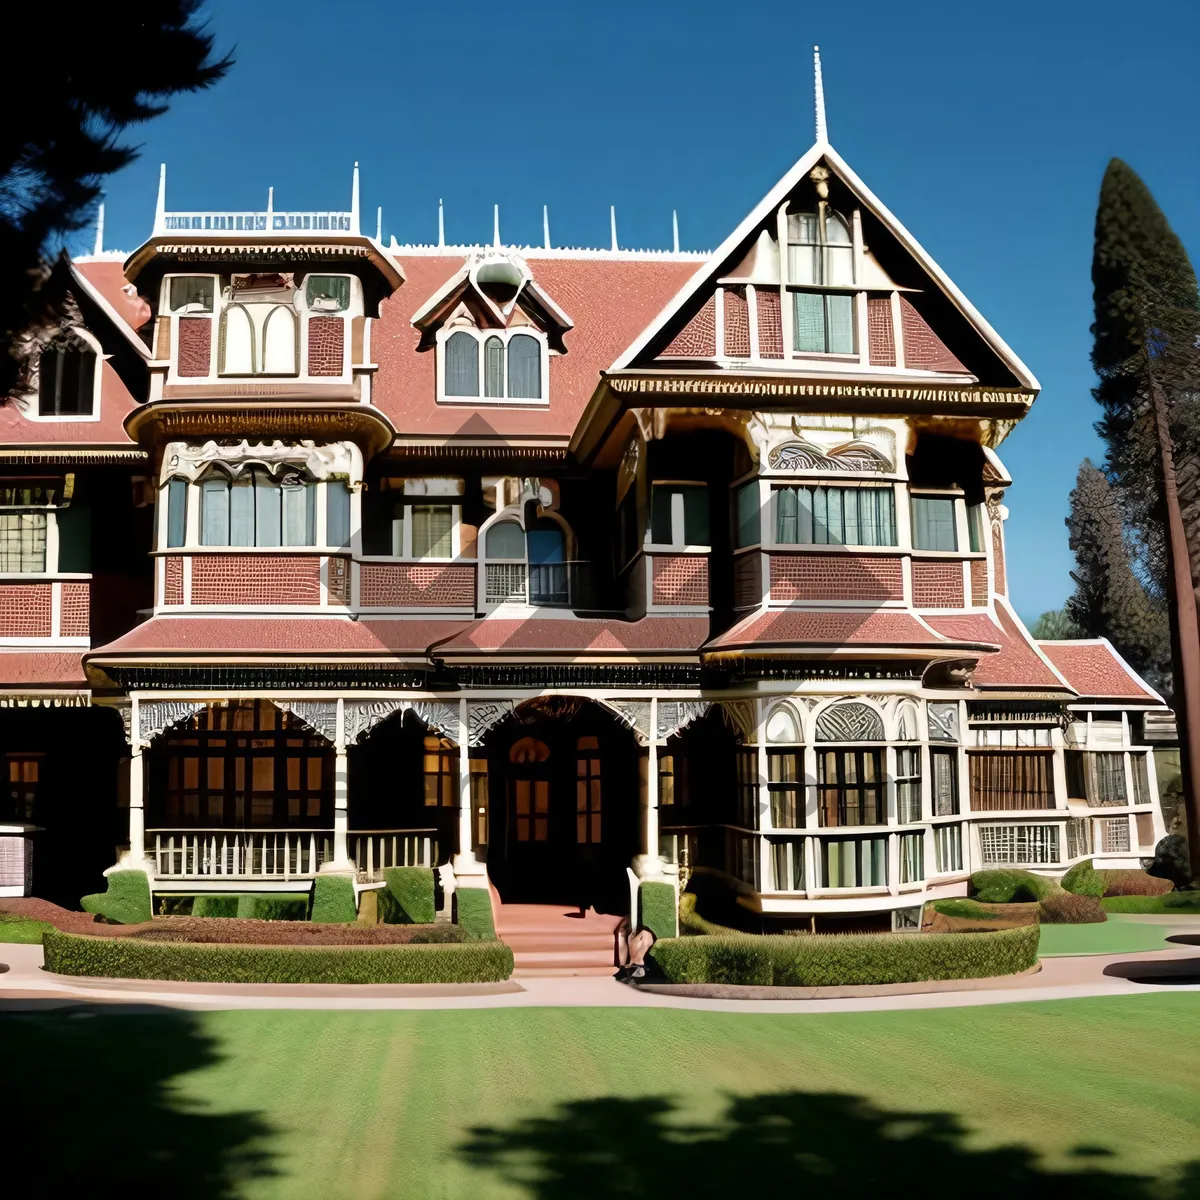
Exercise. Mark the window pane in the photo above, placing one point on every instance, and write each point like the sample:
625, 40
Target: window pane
432, 530
191, 294
241, 510
840, 312
177, 491
695, 515
808, 322
462, 365
749, 532
327, 293
786, 505
933, 523
493, 368
660, 515
299, 510
214, 511
337, 513
975, 527
839, 265
23, 542
524, 368
268, 510
505, 540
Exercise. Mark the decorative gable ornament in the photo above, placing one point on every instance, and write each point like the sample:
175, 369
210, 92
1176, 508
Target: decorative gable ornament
858, 457
850, 722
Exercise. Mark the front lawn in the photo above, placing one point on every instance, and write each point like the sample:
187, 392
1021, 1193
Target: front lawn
19, 929
546, 1104
1117, 935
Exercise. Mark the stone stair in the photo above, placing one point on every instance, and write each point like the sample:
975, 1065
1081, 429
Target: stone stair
550, 940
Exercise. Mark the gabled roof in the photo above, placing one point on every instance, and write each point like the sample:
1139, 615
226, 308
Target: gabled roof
739, 241
1094, 669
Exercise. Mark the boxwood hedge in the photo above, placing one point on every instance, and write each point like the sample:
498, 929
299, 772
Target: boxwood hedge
473, 911
656, 908
832, 960
131, 958
1005, 886
1180, 904
333, 900
126, 900
408, 897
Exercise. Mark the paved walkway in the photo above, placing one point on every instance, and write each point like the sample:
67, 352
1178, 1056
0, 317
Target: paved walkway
25, 986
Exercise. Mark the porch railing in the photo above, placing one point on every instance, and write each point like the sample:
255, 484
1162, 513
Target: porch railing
373, 851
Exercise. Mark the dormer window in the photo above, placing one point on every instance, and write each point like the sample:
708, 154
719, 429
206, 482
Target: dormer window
191, 294
495, 366
67, 378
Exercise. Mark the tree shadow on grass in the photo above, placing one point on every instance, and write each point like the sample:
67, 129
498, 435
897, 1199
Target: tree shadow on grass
89, 1106
789, 1144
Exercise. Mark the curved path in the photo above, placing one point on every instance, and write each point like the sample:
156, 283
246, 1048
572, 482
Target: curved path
24, 985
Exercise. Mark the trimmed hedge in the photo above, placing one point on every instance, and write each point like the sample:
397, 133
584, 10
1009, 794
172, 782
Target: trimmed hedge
219, 905
408, 897
1071, 908
840, 959
333, 900
126, 900
16, 928
473, 912
255, 906
1182, 904
691, 922
1084, 880
1004, 887
656, 908
973, 910
1134, 883
132, 958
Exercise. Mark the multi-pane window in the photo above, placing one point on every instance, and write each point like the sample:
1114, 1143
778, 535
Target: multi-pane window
432, 530
441, 773
509, 371
587, 791
1031, 845
785, 785
944, 782
23, 542
405, 529
823, 322
854, 862
257, 509
908, 784
787, 861
1099, 777
679, 514
947, 848
1011, 781
66, 379
24, 775
1114, 835
912, 857
820, 251
933, 523
1079, 837
835, 516
850, 787
746, 767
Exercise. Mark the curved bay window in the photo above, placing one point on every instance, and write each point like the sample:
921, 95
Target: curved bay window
850, 786
243, 765
785, 768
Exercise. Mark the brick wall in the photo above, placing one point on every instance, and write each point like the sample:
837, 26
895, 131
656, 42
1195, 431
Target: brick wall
922, 347
680, 579
413, 585
937, 584
75, 609
697, 339
737, 323
770, 324
874, 577
326, 339
25, 609
195, 345
256, 579
173, 581
1001, 583
979, 586
881, 336
747, 580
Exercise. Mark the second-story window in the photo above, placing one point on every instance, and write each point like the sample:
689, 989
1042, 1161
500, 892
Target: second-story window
67, 378
507, 367
835, 516
23, 542
821, 254
679, 514
259, 509
933, 523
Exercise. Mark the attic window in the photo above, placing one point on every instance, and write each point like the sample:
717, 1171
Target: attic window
327, 293
509, 366
66, 379
820, 249
192, 294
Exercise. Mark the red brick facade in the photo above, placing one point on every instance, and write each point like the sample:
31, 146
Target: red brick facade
874, 577
680, 579
173, 581
411, 585
737, 323
697, 339
25, 609
256, 579
923, 348
75, 608
326, 342
195, 345
881, 335
770, 324
937, 584
979, 585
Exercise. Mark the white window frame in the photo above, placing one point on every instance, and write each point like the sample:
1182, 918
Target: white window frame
31, 410
1013, 828
481, 337
774, 483
678, 540
962, 534
51, 569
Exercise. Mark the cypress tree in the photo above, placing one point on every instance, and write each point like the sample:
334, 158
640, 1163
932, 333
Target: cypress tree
1147, 322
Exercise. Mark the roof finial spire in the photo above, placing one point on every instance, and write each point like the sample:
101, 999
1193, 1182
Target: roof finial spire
379, 224
546, 226
99, 230
612, 220
496, 226
441, 224
160, 207
819, 97
354, 201
675, 229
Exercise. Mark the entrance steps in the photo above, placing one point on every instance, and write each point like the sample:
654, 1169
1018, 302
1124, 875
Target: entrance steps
550, 940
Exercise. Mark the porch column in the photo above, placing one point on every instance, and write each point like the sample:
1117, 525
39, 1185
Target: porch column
341, 798
469, 871
137, 810
649, 863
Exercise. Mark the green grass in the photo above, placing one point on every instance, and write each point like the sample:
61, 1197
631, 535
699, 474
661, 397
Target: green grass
14, 928
1171, 904
1115, 936
587, 1103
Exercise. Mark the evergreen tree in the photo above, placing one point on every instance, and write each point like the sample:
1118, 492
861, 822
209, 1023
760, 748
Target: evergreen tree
1055, 626
88, 73
1110, 600
1146, 350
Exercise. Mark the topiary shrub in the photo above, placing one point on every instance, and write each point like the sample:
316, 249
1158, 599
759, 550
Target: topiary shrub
408, 897
333, 900
1182, 904
1134, 883
1083, 880
133, 958
220, 905
1171, 861
473, 912
126, 902
969, 916
656, 908
1070, 908
1005, 886
274, 906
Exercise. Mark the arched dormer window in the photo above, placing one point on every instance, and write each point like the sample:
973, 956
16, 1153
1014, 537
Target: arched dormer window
497, 366
461, 356
67, 378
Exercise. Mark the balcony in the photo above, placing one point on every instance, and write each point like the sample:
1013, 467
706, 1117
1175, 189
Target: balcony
268, 221
546, 585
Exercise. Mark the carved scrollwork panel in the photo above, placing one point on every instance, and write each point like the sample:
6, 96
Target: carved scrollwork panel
674, 715
361, 716
634, 714
482, 715
438, 716
157, 716
850, 722
943, 722
319, 715
741, 718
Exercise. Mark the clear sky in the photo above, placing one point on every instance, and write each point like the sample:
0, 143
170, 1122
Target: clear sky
984, 127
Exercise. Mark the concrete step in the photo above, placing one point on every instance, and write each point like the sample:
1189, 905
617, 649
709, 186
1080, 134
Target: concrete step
563, 972
555, 937
551, 958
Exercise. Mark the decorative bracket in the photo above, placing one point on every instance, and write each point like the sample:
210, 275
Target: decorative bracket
634, 715
482, 715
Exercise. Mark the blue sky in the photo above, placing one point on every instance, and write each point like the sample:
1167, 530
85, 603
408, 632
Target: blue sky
985, 128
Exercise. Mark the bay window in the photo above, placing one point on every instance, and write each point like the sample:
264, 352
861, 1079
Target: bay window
749, 523
850, 787
835, 516
679, 514
912, 857
947, 848
933, 523
785, 784
787, 861
944, 782
1025, 845
908, 784
1099, 777
854, 862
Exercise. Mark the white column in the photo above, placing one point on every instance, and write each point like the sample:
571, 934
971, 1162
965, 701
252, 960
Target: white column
137, 810
469, 870
650, 826
340, 862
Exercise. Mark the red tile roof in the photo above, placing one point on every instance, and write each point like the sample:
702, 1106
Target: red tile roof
610, 303
115, 404
841, 627
1017, 665
1095, 669
599, 637
41, 668
107, 276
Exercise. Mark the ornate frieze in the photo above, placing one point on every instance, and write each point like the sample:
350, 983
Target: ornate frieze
674, 715
338, 459
856, 456
319, 715
634, 715
438, 716
482, 715
361, 716
157, 716
740, 716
